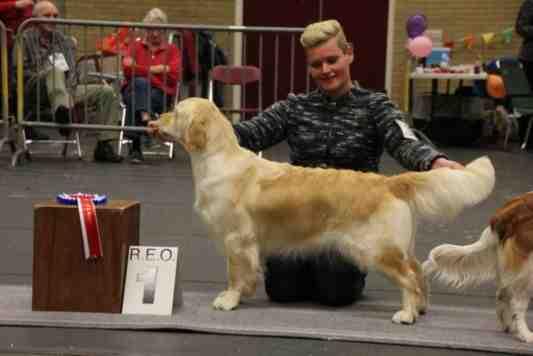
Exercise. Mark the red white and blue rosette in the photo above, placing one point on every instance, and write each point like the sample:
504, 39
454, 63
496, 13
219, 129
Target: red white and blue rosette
92, 242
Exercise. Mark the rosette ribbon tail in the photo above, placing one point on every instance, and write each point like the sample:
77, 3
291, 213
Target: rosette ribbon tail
92, 242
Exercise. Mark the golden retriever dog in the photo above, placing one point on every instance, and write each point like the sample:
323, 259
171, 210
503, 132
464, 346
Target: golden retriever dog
504, 252
255, 206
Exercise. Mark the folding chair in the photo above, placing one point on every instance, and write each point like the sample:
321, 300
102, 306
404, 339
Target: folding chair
122, 140
518, 93
108, 68
236, 75
240, 76
175, 38
73, 138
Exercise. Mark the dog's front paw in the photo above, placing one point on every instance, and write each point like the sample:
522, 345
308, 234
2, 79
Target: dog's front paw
525, 337
503, 322
403, 317
227, 300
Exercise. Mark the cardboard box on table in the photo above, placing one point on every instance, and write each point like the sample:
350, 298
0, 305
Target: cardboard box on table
63, 280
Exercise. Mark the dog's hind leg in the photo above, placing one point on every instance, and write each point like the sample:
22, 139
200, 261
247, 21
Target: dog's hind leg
423, 301
243, 266
503, 304
393, 264
519, 304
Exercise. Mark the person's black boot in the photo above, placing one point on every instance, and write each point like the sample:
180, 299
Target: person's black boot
105, 153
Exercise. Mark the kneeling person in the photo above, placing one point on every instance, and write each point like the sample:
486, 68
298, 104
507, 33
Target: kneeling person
50, 79
339, 125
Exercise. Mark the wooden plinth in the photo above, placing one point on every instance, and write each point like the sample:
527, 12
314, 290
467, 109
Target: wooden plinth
63, 280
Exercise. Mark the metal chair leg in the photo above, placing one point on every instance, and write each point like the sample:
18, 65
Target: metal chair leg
121, 140
78, 145
23, 152
508, 130
528, 131
171, 150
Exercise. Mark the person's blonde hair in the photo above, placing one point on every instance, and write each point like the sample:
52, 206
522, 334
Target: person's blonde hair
317, 33
156, 15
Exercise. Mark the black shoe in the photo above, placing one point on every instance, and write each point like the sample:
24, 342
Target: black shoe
136, 156
62, 117
136, 153
104, 153
34, 134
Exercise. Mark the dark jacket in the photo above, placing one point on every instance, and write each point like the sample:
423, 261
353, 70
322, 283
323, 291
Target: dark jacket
349, 132
37, 52
524, 27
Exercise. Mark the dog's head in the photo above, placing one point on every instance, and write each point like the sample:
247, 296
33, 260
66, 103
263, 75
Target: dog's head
196, 123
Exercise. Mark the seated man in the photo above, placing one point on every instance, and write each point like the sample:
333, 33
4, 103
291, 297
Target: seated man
51, 81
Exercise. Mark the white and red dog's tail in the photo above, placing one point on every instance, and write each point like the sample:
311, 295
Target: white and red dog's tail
462, 266
441, 194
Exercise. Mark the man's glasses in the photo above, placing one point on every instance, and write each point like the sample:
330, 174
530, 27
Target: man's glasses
54, 15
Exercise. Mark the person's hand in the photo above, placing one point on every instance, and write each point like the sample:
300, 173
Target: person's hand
152, 129
443, 162
157, 69
74, 41
20, 4
127, 61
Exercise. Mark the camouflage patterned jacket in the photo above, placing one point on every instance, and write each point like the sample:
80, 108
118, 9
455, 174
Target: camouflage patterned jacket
349, 132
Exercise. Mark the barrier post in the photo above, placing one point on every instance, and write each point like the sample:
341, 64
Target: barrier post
4, 119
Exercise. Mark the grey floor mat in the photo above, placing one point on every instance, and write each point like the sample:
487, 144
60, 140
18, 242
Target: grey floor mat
368, 321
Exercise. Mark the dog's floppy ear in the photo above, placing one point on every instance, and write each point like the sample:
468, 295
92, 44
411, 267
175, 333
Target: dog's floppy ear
502, 220
515, 217
196, 135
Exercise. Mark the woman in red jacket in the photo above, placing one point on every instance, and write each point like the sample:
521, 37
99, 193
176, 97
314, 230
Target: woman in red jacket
12, 14
152, 70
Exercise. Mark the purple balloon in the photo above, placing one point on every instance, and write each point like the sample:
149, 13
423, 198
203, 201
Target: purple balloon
416, 25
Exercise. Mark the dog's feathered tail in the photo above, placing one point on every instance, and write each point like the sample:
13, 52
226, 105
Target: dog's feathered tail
462, 266
443, 193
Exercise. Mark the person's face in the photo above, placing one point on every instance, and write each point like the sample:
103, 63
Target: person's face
154, 36
49, 12
329, 66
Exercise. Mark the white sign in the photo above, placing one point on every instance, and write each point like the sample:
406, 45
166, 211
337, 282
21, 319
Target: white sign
151, 280
58, 60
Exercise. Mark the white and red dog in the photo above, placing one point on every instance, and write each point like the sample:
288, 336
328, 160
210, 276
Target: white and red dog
504, 253
255, 206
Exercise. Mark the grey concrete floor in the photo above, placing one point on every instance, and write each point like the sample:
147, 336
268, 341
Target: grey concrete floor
164, 188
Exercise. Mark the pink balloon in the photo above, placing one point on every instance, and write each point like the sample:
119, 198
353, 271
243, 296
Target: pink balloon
420, 46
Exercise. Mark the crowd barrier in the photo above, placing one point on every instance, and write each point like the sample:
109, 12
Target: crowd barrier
4, 118
101, 45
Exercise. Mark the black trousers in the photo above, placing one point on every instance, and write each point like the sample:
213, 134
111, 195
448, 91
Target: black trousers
522, 124
146, 98
528, 70
327, 278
